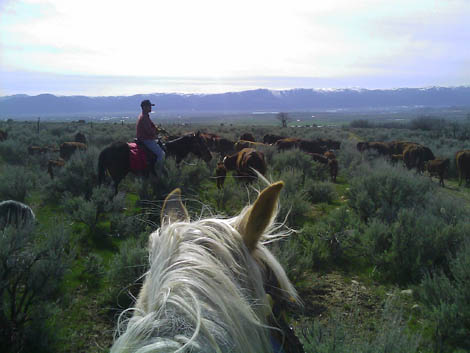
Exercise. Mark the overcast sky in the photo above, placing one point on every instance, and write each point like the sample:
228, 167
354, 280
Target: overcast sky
100, 47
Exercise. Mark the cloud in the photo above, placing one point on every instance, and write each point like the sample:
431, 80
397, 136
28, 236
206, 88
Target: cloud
222, 40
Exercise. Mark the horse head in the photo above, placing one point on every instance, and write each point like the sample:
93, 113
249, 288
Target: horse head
208, 282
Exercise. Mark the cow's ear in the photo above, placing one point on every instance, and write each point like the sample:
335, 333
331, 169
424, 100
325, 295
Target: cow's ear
173, 209
260, 215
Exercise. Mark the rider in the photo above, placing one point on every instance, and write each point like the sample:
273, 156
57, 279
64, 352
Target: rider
147, 133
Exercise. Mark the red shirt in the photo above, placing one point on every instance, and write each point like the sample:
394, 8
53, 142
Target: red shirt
146, 129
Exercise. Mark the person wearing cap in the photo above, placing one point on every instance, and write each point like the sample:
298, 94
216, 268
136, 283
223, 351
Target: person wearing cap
147, 133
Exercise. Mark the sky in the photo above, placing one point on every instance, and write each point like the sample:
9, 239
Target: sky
105, 48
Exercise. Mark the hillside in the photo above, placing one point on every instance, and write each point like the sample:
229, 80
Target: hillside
233, 102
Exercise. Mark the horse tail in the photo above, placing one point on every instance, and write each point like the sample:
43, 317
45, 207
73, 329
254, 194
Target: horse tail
101, 166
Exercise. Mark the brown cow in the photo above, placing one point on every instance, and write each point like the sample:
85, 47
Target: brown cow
287, 143
396, 158
247, 137
439, 168
241, 144
69, 148
312, 146
270, 139
329, 155
220, 174
244, 161
333, 166
79, 137
329, 143
223, 146
317, 157
462, 159
381, 148
415, 156
398, 147
3, 135
54, 163
34, 150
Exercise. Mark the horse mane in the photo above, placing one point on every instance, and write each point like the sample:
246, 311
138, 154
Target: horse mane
204, 291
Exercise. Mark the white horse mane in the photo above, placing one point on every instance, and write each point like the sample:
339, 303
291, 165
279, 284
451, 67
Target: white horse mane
204, 291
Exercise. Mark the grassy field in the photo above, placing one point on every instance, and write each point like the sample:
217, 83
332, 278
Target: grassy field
363, 257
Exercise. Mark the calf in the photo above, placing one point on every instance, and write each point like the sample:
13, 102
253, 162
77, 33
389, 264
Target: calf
245, 161
439, 168
69, 148
54, 163
220, 174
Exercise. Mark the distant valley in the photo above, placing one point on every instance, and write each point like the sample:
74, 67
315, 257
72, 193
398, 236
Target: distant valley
260, 100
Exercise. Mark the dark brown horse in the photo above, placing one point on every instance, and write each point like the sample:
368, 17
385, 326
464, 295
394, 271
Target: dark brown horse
115, 158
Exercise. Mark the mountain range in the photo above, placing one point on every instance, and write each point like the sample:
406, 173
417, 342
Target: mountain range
237, 102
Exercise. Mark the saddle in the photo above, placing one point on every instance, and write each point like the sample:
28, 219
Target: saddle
141, 158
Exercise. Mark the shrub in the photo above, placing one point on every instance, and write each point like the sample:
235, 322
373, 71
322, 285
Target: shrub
126, 270
93, 270
78, 176
320, 191
382, 191
293, 258
295, 206
337, 336
90, 211
13, 152
295, 159
447, 302
329, 239
32, 265
16, 183
415, 242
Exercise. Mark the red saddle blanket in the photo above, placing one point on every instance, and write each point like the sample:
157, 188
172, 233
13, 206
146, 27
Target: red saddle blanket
137, 157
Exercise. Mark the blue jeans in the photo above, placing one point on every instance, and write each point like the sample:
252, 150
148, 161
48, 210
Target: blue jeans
153, 146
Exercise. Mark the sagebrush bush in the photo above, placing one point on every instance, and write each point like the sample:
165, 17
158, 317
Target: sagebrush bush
330, 240
13, 152
339, 336
446, 298
79, 175
415, 242
126, 269
293, 257
90, 211
33, 264
16, 183
294, 203
320, 191
381, 191
296, 159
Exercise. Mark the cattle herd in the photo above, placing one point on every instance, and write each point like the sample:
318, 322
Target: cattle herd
414, 155
65, 150
245, 155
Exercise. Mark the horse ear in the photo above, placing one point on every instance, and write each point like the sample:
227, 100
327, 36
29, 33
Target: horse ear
198, 133
260, 215
173, 209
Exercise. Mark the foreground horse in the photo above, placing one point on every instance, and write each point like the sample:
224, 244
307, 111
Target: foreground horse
116, 158
210, 285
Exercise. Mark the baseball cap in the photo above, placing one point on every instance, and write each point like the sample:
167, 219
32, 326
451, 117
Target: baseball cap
145, 102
